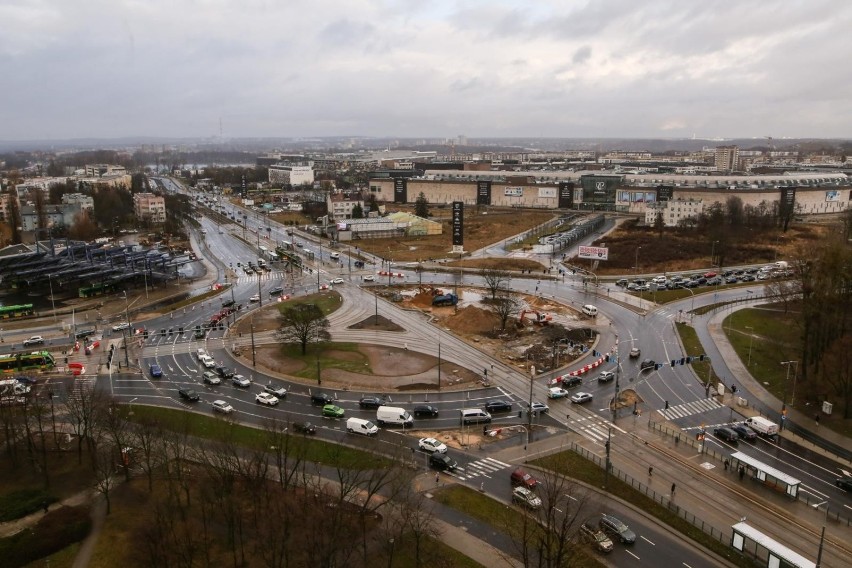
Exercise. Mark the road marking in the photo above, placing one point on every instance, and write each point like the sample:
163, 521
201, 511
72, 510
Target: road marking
558, 510
570, 497
633, 555
648, 541
687, 565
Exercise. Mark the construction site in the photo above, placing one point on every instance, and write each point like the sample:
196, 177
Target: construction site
537, 332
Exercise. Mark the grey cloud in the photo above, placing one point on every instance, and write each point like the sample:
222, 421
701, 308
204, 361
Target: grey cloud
582, 55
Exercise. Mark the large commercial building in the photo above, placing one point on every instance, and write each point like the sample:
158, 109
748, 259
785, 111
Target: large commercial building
727, 158
102, 170
291, 175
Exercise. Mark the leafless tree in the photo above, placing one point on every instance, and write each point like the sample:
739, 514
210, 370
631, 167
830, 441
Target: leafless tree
494, 279
302, 324
104, 456
117, 429
148, 438
504, 307
84, 403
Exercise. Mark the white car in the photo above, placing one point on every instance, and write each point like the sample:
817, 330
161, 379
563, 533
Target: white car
338, 281
525, 497
266, 398
200, 353
207, 361
121, 326
222, 406
255, 298
369, 278
581, 398
432, 445
539, 408
556, 392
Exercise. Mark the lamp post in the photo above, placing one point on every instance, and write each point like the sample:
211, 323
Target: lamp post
822, 534
636, 264
529, 413
713, 253
787, 380
52, 299
750, 342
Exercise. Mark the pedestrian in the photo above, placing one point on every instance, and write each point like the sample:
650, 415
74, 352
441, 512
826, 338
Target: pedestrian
742, 472
650, 471
673, 489
727, 463
817, 420
437, 478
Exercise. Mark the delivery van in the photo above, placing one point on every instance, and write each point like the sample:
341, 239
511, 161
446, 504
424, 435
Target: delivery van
474, 416
590, 310
762, 426
393, 415
361, 426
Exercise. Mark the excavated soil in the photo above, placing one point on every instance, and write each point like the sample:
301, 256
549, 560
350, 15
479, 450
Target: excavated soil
468, 320
382, 324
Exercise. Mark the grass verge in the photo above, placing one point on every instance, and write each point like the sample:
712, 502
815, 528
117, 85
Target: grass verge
345, 356
586, 471
692, 347
213, 428
327, 301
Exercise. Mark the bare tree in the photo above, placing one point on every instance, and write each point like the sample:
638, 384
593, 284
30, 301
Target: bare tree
117, 430
104, 455
84, 403
837, 371
302, 324
148, 438
504, 307
494, 279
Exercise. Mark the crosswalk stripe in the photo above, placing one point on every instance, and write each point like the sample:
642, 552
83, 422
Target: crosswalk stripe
690, 408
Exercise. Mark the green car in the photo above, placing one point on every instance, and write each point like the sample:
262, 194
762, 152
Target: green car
332, 410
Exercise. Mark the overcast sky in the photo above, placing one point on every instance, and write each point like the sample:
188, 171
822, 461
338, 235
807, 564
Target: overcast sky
109, 68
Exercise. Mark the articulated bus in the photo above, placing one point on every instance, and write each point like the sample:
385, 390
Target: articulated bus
38, 360
16, 311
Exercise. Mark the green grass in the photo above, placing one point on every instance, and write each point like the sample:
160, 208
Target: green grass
692, 347
584, 470
328, 301
433, 552
214, 428
22, 502
358, 363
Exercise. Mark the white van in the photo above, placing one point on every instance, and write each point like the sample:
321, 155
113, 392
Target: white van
590, 311
334, 256
393, 415
474, 416
361, 426
762, 426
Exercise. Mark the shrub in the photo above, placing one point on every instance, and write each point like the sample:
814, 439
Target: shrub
21, 503
56, 530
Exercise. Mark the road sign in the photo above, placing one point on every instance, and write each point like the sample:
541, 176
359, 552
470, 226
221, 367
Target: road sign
597, 253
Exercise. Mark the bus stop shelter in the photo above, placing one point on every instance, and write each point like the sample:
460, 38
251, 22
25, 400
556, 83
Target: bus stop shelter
766, 474
751, 541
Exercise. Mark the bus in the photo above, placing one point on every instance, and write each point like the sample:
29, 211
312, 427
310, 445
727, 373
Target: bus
97, 289
16, 311
37, 360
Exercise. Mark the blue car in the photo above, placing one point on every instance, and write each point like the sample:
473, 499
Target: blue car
156, 371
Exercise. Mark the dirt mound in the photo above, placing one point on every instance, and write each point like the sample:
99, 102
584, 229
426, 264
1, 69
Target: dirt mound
382, 324
422, 300
471, 320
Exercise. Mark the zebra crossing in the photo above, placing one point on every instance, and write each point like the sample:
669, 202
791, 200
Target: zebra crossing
482, 467
82, 384
690, 408
596, 429
274, 275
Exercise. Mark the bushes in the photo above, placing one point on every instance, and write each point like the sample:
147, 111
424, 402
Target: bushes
57, 530
21, 503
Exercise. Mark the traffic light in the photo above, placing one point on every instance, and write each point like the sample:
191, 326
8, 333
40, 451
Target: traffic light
180, 329
145, 334
674, 362
701, 357
607, 358
700, 436
658, 366
688, 360
667, 405
682, 361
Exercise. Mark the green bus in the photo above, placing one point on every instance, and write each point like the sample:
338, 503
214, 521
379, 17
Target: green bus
7, 312
97, 289
16, 362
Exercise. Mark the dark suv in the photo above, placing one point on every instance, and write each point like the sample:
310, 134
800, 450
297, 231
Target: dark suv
727, 435
493, 406
570, 382
189, 394
224, 372
425, 410
647, 364
321, 399
614, 527
371, 402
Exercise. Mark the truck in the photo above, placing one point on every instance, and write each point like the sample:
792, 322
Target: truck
445, 300
762, 426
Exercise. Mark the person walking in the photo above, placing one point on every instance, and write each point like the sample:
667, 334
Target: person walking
742, 473
650, 471
817, 420
727, 463
673, 489
437, 478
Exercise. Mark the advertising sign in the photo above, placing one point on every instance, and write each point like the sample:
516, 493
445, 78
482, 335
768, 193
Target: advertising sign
400, 190
243, 186
547, 192
513, 192
665, 192
788, 201
832, 195
483, 193
597, 253
566, 194
458, 223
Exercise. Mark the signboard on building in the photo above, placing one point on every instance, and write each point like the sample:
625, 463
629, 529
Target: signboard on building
596, 253
243, 186
832, 195
400, 190
513, 192
599, 188
547, 192
788, 201
483, 193
458, 223
665, 192
566, 194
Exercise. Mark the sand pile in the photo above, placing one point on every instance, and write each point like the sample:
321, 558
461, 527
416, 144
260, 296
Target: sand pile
471, 320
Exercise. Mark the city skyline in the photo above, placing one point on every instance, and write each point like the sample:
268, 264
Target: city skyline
658, 69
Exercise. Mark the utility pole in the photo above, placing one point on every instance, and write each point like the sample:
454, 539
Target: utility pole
253, 362
259, 294
529, 411
608, 462
617, 377
439, 360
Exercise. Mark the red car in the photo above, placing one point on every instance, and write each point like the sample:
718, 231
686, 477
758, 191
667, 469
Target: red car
709, 275
523, 479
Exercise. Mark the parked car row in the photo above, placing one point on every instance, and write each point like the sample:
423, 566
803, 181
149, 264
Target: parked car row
710, 278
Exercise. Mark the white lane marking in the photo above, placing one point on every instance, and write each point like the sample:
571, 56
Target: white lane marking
570, 497
687, 565
648, 541
631, 554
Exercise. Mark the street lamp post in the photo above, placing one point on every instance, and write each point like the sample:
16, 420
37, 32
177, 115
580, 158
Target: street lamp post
822, 534
636, 264
713, 253
787, 380
52, 299
750, 342
529, 412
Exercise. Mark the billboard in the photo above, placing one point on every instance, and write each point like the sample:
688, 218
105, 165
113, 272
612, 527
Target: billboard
566, 194
598, 188
596, 253
483, 193
832, 195
788, 201
400, 190
547, 192
458, 223
513, 192
665, 192
243, 186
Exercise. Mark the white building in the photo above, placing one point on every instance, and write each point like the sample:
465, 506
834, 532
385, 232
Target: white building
340, 206
101, 170
674, 211
291, 175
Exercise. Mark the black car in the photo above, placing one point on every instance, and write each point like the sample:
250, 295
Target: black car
277, 291
647, 364
744, 432
224, 372
442, 462
321, 399
371, 402
493, 406
844, 483
748, 278
189, 394
726, 434
569, 382
614, 527
304, 428
81, 333
228, 303
425, 411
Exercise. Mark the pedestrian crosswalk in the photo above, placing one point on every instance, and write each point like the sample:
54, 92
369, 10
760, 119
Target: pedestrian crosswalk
482, 467
595, 429
274, 275
690, 408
